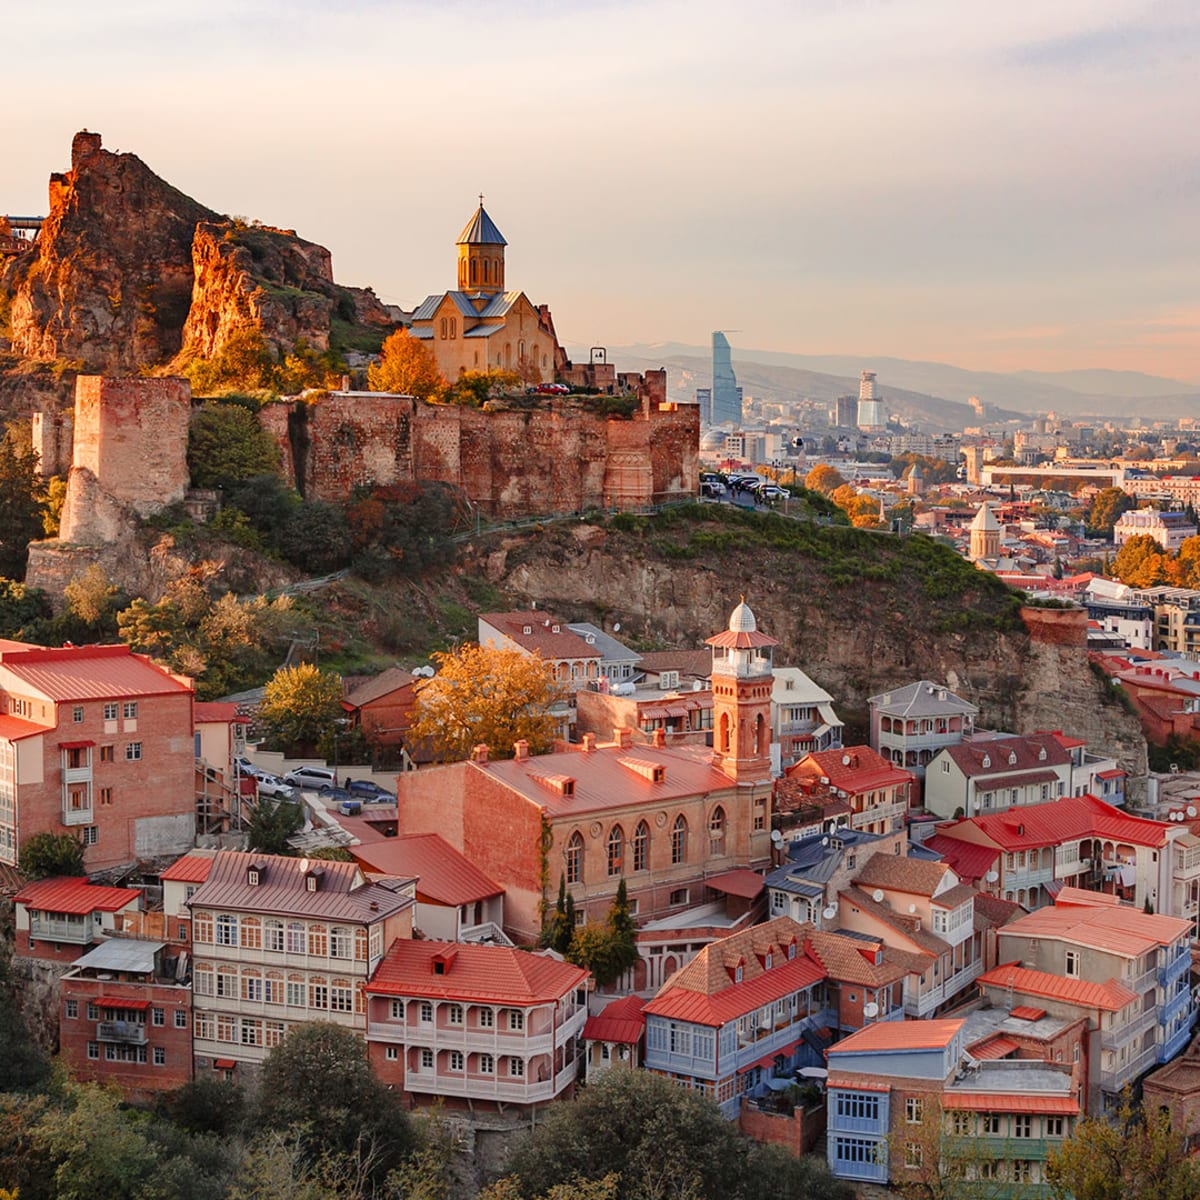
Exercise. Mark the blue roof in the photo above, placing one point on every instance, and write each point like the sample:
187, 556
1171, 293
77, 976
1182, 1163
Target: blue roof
499, 305
481, 230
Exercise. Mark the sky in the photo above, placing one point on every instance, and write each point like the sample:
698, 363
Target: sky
998, 186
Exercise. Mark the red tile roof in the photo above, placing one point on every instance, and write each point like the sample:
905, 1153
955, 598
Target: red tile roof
394, 679
87, 673
1008, 1102
1111, 996
443, 875
1030, 753
475, 973
620, 1021
898, 873
854, 769
969, 860
930, 1034
217, 713
75, 896
541, 638
191, 868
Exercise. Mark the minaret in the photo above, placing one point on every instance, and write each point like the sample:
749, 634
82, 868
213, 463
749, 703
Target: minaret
481, 255
742, 675
985, 534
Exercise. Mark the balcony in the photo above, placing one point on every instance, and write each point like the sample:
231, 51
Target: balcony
128, 1033
1115, 1080
1114, 1039
923, 1004
880, 812
1031, 1149
1176, 968
494, 1041
1175, 1043
1174, 1005
49, 929
477, 1087
1141, 983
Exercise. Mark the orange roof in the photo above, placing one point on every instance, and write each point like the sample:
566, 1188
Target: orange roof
1111, 996
620, 1021
67, 894
444, 876
744, 883
730, 639
1118, 929
474, 973
13, 729
993, 1047
86, 673
1026, 1012
900, 1035
191, 868
542, 637
853, 769
1008, 1102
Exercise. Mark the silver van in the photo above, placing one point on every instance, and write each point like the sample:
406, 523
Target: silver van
314, 779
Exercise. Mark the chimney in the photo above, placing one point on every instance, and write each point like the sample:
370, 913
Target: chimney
480, 753
589, 743
660, 739
521, 749
345, 383
624, 738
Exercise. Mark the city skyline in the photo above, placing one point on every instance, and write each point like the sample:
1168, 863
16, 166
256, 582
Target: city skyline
997, 190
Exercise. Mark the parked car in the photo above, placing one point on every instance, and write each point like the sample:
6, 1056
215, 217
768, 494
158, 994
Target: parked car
552, 389
313, 778
771, 492
337, 795
712, 488
246, 767
272, 785
369, 791
350, 808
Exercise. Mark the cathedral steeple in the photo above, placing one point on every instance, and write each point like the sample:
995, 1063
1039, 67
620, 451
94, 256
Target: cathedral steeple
481, 255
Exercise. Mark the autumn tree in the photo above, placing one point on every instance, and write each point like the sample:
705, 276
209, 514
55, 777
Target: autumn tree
1105, 509
93, 599
475, 388
1142, 562
300, 705
407, 368
226, 444
1132, 1155
824, 479
484, 695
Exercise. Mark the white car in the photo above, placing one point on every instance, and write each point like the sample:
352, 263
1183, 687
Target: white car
770, 492
272, 785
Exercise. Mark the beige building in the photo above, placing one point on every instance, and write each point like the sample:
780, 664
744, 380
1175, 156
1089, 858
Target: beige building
479, 326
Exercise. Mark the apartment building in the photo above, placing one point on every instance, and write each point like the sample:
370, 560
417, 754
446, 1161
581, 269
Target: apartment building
910, 725
997, 773
277, 941
97, 742
1142, 959
476, 1026
747, 1009
803, 719
875, 792
61, 919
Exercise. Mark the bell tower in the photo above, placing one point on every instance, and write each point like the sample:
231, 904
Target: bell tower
742, 676
481, 255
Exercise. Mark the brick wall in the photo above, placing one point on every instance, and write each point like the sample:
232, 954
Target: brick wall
798, 1133
1056, 626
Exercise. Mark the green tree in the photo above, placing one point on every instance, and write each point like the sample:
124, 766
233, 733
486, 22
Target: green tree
316, 537
20, 606
300, 705
318, 1080
408, 368
23, 497
272, 823
226, 444
47, 854
482, 695
1105, 509
1133, 1156
475, 388
556, 933
607, 950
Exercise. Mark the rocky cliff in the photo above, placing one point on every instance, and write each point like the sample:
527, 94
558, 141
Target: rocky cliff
128, 273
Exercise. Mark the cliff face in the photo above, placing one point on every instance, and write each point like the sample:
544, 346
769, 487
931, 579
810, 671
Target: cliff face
127, 271
109, 280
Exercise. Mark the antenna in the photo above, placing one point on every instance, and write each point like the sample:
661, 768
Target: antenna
992, 876
912, 908
776, 836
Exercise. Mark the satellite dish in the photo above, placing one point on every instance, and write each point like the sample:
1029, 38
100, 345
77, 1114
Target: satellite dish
912, 908
870, 1010
776, 836
845, 760
992, 876
824, 841
829, 913
877, 896
617, 627
1191, 810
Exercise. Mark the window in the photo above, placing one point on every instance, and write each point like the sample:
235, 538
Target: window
913, 1156
318, 993
516, 1019
960, 1123
251, 933
678, 896
1022, 1126
991, 1123
616, 843
341, 942
106, 754
641, 847
130, 710
575, 858
133, 751
295, 992
297, 939
273, 1032
106, 797
251, 1032
456, 1060
160, 1056
77, 714
274, 936
516, 1068
760, 814
71, 1009
913, 1110
158, 1016
110, 712
426, 1059
392, 1053
487, 1018
93, 1049
1072, 963
679, 832
426, 1013
227, 930
716, 832
227, 982
180, 1018
252, 988
1054, 1126
91, 835
487, 1065
341, 996
318, 941
454, 1014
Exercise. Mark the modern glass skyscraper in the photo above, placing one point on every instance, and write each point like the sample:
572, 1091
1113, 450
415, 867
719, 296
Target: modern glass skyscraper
726, 397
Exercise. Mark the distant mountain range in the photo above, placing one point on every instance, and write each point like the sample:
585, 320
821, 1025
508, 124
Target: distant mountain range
932, 395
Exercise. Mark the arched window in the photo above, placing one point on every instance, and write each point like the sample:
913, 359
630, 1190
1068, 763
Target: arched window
762, 736
716, 831
274, 938
454, 327
444, 326
641, 847
616, 850
575, 858
724, 733
679, 832
474, 270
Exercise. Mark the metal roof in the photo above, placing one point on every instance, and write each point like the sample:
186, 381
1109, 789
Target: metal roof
921, 699
122, 954
86, 673
76, 897
481, 230
443, 875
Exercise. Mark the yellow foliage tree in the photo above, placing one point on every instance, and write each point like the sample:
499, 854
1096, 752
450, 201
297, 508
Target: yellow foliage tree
407, 368
1142, 562
824, 478
481, 695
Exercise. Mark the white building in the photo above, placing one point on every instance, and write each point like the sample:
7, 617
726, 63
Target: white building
802, 718
1169, 529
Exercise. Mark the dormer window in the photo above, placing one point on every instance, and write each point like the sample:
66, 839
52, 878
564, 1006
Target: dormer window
738, 973
1012, 758
252, 877
987, 761
767, 961
555, 629
312, 879
1042, 754
528, 629
791, 950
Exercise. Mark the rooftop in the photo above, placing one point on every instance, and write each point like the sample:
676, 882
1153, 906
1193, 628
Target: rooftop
1110, 997
378, 686
1008, 755
853, 769
443, 875
86, 673
193, 867
1120, 929
74, 896
931, 1034
922, 699
481, 230
898, 873
619, 1021
538, 632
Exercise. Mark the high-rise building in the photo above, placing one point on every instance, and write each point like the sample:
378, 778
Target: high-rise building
871, 417
704, 400
846, 412
726, 395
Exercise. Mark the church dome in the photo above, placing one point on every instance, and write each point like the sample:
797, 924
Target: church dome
741, 620
985, 521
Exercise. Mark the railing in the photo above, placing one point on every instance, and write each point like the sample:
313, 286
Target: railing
1027, 876
919, 1005
488, 932
1178, 966
1113, 1039
1002, 1148
1173, 1006
49, 930
1175, 1043
523, 1091
130, 1033
1140, 983
458, 1038
1115, 1080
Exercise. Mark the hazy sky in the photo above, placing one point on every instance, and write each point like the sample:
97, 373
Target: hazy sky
993, 185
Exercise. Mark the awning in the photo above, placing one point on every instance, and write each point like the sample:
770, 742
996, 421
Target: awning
224, 1064
121, 1002
75, 745
743, 882
768, 1060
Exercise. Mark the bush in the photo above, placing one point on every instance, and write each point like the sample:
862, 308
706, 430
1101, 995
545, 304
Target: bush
45, 855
